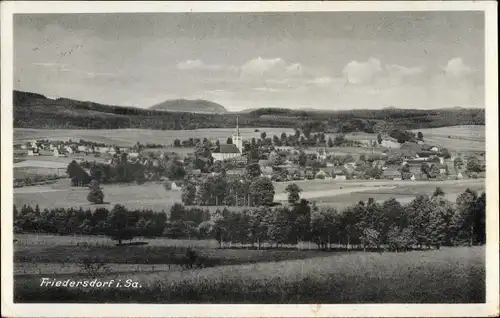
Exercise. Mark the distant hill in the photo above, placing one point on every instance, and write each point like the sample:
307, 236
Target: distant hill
191, 106
33, 110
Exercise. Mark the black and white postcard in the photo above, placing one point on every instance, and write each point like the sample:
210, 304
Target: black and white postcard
249, 159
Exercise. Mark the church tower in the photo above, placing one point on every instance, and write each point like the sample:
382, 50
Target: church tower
237, 140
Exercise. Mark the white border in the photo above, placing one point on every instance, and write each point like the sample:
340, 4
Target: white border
104, 310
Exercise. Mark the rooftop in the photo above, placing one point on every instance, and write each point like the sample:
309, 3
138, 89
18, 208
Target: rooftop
227, 149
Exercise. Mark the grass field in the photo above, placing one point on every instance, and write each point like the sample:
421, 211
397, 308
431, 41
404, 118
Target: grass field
129, 137
456, 138
451, 275
341, 194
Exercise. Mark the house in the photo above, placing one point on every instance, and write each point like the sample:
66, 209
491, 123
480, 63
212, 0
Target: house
80, 148
320, 175
112, 150
68, 149
60, 152
24, 146
33, 152
340, 177
434, 149
124, 149
102, 149
423, 154
460, 176
442, 169
412, 178
391, 174
133, 155
265, 163
390, 144
223, 152
266, 172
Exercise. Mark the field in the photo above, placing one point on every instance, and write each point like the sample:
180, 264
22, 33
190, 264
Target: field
343, 193
450, 275
129, 137
457, 138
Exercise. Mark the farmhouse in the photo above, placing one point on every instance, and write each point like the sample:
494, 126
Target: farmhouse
81, 148
33, 152
59, 152
391, 174
390, 144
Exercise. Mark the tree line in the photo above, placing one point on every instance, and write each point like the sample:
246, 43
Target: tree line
424, 222
37, 111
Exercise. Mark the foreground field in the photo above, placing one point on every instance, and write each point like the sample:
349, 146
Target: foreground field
129, 137
452, 275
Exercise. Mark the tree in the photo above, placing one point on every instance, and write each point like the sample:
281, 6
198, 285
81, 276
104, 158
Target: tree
188, 195
438, 192
473, 165
302, 158
118, 228
253, 170
339, 140
229, 141
420, 136
330, 142
263, 135
293, 191
466, 214
283, 137
458, 163
424, 168
175, 170
379, 139
261, 192
95, 195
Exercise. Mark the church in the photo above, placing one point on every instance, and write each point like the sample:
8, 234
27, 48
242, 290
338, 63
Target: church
229, 151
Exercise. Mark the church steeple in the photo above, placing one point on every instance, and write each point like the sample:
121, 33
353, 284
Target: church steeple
237, 140
237, 126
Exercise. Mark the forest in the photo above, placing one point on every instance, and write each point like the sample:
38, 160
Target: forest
37, 111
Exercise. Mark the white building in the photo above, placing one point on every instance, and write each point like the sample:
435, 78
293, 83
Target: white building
59, 153
233, 150
33, 152
82, 148
390, 144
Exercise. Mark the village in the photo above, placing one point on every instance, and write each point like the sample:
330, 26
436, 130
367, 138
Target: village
313, 157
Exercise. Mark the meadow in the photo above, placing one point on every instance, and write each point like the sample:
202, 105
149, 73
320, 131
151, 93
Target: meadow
449, 275
341, 194
457, 138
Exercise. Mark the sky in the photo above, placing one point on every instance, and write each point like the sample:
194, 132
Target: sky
321, 60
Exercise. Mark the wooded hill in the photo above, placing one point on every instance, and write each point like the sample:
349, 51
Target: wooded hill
37, 111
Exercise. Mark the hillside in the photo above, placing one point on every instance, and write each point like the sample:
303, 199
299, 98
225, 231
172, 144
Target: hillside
191, 106
37, 111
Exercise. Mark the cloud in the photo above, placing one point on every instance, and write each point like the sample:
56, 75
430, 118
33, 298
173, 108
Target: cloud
259, 67
399, 70
322, 81
362, 72
457, 68
194, 65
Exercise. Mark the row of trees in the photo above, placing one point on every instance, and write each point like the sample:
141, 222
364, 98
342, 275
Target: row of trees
423, 222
